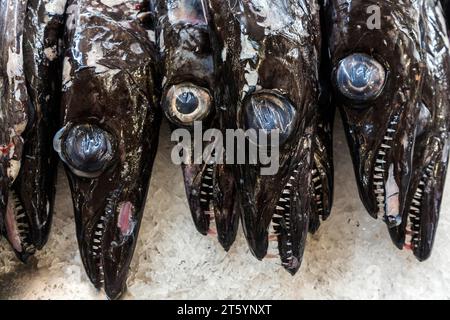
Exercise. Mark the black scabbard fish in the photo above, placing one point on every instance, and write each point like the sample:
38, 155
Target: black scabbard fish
270, 64
31, 33
190, 83
109, 138
391, 81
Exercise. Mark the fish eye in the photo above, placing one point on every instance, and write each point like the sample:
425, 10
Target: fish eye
186, 103
360, 77
87, 149
268, 110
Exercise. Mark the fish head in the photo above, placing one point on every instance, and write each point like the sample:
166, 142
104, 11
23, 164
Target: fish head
377, 83
110, 136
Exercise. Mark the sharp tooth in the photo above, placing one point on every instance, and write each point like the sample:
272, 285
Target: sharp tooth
292, 178
382, 153
97, 241
203, 192
380, 183
417, 203
295, 171
277, 216
275, 225
280, 208
391, 130
94, 247
388, 138
100, 226
286, 191
415, 209
381, 161
289, 185
319, 187
203, 200
386, 146
98, 233
282, 200
316, 179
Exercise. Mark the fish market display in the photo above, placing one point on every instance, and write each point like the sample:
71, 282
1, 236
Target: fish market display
88, 82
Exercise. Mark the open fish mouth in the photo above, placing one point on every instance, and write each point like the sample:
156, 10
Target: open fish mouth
17, 228
282, 226
385, 188
413, 226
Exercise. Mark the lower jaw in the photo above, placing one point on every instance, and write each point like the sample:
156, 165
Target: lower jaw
17, 228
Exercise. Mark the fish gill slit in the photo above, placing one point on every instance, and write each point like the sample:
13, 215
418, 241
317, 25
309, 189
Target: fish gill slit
412, 230
380, 170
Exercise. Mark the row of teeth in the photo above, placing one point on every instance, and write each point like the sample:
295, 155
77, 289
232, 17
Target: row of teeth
380, 168
281, 221
96, 247
318, 191
206, 190
412, 238
22, 225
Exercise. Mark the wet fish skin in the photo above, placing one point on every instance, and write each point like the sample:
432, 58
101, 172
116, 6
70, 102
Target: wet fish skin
273, 53
399, 136
31, 107
187, 45
109, 136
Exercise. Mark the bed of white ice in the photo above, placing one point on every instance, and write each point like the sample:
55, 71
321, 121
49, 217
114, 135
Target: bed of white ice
350, 257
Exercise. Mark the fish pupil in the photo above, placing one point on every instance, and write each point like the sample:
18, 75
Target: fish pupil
187, 102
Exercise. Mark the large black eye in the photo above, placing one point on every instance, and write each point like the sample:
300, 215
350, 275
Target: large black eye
87, 149
360, 77
268, 111
186, 103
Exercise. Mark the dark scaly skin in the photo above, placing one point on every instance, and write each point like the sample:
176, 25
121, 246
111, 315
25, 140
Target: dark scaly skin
111, 91
32, 193
406, 126
286, 62
187, 47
